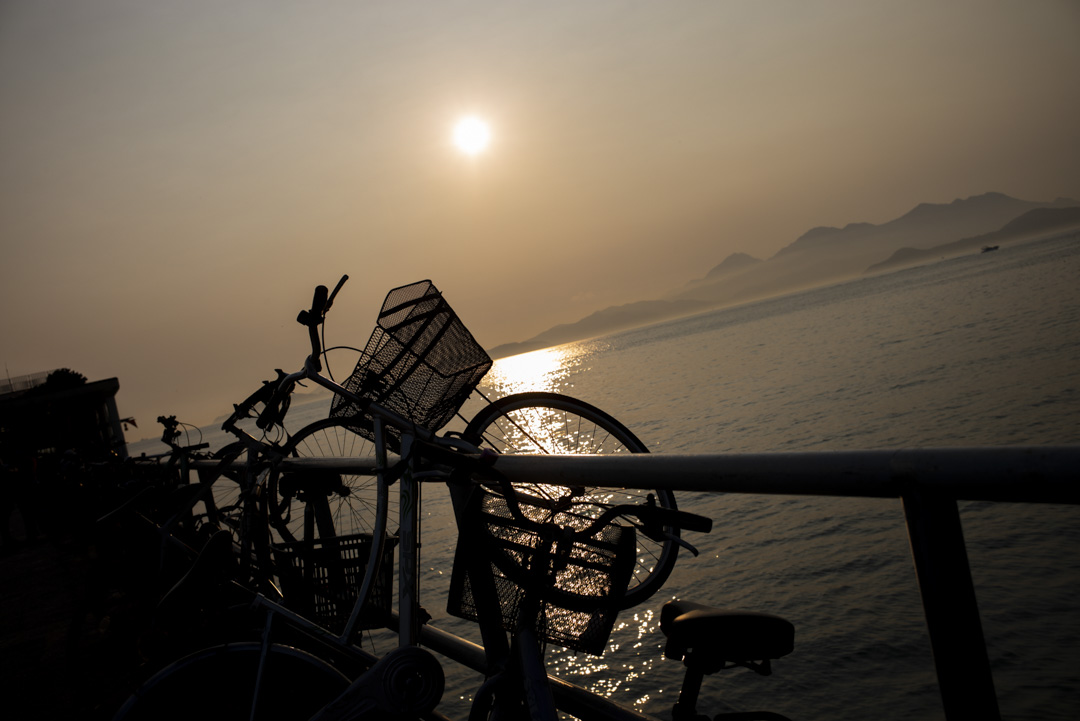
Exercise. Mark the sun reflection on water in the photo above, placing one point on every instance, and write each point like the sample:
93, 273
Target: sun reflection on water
636, 642
547, 369
626, 658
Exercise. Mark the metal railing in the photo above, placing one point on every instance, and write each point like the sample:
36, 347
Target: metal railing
928, 481
22, 383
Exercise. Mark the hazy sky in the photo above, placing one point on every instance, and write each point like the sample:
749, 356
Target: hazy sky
176, 177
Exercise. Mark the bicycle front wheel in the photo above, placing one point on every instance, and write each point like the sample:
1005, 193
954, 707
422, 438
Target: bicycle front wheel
309, 505
550, 423
224, 506
229, 504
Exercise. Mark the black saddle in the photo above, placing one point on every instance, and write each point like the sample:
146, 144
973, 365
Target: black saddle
716, 638
708, 639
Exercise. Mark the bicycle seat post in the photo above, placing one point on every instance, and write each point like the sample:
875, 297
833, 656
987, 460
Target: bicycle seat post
685, 709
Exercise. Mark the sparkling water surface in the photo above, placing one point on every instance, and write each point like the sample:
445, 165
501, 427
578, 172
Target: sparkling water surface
977, 350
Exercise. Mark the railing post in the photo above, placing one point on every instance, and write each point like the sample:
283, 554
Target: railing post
952, 614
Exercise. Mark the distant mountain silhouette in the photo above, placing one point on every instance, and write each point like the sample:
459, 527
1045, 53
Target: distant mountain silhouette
732, 263
602, 322
827, 255
1034, 222
819, 256
925, 225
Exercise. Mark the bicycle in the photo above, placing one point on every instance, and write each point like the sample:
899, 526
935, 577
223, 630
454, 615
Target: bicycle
157, 490
418, 367
159, 523
389, 408
221, 498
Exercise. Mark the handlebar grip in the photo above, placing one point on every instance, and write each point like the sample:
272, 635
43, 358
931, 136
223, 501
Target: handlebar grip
683, 519
313, 319
318, 303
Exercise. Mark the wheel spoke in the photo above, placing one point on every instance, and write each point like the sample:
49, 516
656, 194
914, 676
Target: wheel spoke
349, 501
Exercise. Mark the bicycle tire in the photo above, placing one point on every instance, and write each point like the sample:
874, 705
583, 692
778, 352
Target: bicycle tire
232, 507
224, 506
218, 683
309, 506
550, 423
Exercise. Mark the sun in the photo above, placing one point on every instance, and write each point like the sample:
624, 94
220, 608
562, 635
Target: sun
472, 135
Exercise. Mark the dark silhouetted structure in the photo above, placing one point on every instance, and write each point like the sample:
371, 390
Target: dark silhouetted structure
47, 414
56, 429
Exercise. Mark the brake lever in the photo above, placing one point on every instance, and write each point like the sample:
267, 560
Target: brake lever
334, 292
661, 536
683, 542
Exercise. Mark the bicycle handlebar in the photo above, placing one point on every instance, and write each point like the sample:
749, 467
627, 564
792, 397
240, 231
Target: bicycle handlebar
654, 519
275, 395
682, 519
314, 317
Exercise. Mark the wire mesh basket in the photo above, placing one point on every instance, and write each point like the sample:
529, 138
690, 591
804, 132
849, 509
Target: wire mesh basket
421, 362
573, 588
320, 579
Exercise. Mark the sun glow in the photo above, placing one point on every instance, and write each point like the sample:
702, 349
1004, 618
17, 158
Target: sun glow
472, 135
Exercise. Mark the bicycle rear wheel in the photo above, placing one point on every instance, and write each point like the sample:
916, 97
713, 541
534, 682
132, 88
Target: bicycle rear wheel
550, 423
224, 682
322, 504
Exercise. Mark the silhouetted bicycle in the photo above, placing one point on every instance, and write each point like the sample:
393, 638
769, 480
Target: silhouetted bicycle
550, 561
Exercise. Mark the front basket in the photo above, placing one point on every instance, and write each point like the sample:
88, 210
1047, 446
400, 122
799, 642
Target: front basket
421, 362
579, 586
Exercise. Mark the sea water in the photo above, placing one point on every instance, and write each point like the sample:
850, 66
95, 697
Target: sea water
972, 351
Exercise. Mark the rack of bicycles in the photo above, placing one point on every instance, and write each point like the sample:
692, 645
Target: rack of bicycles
280, 553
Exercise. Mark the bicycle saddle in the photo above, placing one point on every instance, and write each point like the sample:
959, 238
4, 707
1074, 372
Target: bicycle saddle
708, 637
